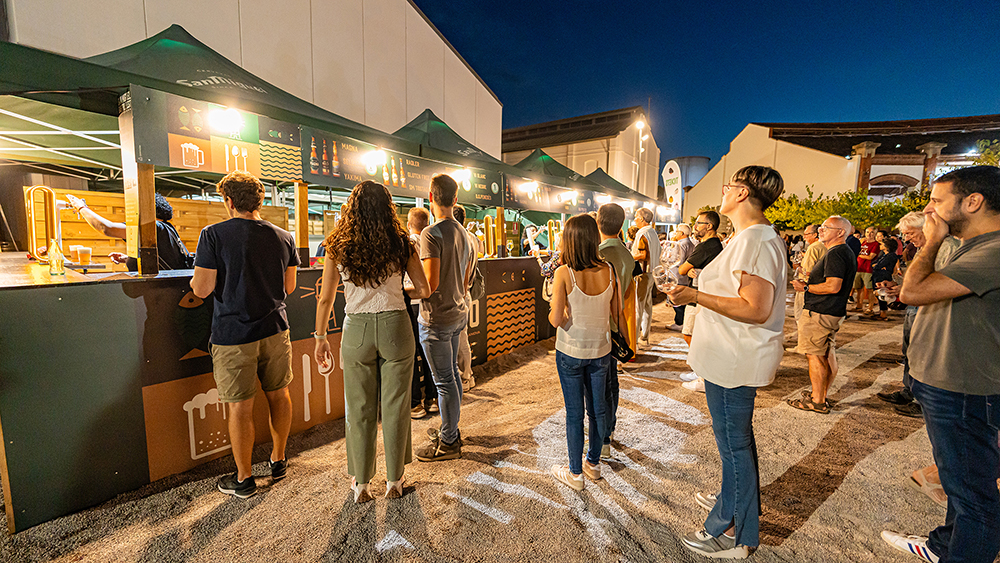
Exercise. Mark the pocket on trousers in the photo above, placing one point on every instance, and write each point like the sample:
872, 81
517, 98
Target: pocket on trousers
353, 335
993, 412
829, 322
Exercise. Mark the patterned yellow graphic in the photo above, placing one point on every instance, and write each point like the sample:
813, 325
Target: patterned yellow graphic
280, 162
510, 321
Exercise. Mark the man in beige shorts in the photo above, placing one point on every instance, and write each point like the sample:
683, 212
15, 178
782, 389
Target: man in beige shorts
825, 306
250, 339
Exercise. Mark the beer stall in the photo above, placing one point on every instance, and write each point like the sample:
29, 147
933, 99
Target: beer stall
107, 380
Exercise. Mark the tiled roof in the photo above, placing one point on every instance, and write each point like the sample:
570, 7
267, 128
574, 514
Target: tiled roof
572, 130
959, 133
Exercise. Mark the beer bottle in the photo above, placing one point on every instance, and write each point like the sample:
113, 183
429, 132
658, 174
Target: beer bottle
326, 160
395, 178
385, 173
402, 174
335, 163
313, 161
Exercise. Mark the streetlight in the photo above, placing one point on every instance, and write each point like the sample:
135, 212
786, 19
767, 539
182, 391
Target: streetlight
640, 125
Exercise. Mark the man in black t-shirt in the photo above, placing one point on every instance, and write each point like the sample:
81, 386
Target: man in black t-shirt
250, 265
705, 230
826, 293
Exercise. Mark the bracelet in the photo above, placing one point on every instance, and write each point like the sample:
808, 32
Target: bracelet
319, 336
696, 297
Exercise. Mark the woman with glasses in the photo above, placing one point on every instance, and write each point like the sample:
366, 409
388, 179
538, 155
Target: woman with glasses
736, 349
369, 250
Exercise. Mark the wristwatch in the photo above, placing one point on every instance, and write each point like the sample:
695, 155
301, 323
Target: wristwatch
806, 290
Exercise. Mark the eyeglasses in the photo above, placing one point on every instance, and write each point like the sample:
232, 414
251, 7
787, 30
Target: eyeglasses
824, 228
727, 187
702, 223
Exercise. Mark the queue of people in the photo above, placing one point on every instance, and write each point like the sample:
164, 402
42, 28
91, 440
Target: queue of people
950, 289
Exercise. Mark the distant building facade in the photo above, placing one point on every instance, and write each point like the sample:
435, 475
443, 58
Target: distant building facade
611, 140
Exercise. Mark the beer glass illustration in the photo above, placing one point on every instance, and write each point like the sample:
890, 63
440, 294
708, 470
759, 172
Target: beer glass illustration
192, 156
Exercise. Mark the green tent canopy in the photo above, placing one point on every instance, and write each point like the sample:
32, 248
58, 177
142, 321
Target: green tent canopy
614, 187
542, 167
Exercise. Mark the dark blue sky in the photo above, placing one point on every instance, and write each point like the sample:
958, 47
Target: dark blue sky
711, 68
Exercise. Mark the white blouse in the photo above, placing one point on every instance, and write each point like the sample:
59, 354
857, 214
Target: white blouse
386, 297
731, 353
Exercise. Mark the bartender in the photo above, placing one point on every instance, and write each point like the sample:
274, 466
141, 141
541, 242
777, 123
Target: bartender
171, 252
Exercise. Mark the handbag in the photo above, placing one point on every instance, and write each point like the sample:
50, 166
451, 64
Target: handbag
620, 348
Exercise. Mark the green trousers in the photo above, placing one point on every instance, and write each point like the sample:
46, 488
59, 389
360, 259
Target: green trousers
377, 351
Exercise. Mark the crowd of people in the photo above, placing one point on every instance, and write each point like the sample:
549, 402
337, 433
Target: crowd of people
404, 361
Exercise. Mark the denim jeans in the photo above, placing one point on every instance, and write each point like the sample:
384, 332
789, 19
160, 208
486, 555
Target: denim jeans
440, 344
739, 499
908, 318
963, 432
583, 383
611, 390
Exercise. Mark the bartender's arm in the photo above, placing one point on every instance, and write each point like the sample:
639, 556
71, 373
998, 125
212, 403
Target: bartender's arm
203, 281
100, 224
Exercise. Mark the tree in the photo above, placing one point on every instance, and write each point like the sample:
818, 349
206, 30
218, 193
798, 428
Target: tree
987, 153
793, 212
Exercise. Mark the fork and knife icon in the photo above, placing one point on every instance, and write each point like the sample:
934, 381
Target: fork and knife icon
237, 152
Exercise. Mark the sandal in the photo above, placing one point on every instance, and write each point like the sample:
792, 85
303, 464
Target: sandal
829, 402
806, 404
361, 493
394, 489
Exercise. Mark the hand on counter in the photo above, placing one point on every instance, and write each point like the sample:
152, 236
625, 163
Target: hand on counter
118, 257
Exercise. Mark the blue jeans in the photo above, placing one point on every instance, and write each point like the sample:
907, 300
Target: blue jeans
908, 318
583, 383
440, 344
739, 500
963, 432
611, 391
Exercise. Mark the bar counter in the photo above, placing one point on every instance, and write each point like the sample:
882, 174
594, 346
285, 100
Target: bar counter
107, 380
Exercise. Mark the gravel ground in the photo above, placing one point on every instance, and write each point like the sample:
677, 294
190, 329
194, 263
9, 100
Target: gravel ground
830, 483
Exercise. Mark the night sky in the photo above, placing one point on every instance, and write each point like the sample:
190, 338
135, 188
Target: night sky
710, 68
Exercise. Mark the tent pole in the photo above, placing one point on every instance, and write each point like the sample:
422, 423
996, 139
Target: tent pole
302, 222
140, 206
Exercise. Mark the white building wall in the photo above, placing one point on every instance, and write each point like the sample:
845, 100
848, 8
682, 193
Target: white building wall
377, 62
800, 167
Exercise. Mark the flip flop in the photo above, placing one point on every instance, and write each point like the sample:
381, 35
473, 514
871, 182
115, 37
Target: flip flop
829, 402
933, 492
805, 404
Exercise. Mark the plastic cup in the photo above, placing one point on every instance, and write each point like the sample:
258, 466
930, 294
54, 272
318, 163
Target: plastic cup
84, 254
74, 253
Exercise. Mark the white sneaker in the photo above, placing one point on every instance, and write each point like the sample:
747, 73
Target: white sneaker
914, 545
593, 472
696, 385
606, 452
706, 500
565, 476
675, 327
468, 383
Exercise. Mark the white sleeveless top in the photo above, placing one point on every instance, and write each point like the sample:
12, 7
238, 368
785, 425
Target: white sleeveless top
587, 333
386, 297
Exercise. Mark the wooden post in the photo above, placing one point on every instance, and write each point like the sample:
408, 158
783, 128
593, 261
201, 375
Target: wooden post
866, 151
140, 205
931, 153
502, 232
302, 222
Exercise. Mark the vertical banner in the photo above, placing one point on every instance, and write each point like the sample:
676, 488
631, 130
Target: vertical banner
672, 185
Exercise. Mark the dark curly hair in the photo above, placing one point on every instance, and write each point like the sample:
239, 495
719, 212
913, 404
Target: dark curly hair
369, 241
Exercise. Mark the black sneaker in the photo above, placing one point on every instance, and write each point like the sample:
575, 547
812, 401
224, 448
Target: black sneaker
911, 410
438, 450
896, 397
243, 489
278, 469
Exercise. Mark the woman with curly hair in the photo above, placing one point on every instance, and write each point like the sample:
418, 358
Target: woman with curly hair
369, 250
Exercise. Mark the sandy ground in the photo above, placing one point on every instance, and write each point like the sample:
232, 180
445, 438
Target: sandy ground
830, 483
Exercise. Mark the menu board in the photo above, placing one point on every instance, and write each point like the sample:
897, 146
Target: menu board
334, 160
207, 137
524, 193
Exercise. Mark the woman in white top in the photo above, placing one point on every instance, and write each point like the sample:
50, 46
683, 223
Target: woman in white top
737, 347
582, 306
370, 249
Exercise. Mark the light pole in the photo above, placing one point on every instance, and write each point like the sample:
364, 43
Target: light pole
640, 127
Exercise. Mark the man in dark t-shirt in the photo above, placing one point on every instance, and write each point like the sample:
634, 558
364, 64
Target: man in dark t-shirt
826, 293
250, 265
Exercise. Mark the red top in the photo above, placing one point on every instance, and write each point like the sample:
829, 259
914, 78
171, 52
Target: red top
865, 264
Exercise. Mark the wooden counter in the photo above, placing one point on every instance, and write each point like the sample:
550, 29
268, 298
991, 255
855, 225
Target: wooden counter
107, 381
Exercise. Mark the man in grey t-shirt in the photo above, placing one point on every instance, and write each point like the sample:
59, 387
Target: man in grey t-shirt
446, 257
954, 346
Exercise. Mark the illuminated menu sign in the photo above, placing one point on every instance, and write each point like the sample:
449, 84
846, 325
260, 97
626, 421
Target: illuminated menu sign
527, 194
333, 160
